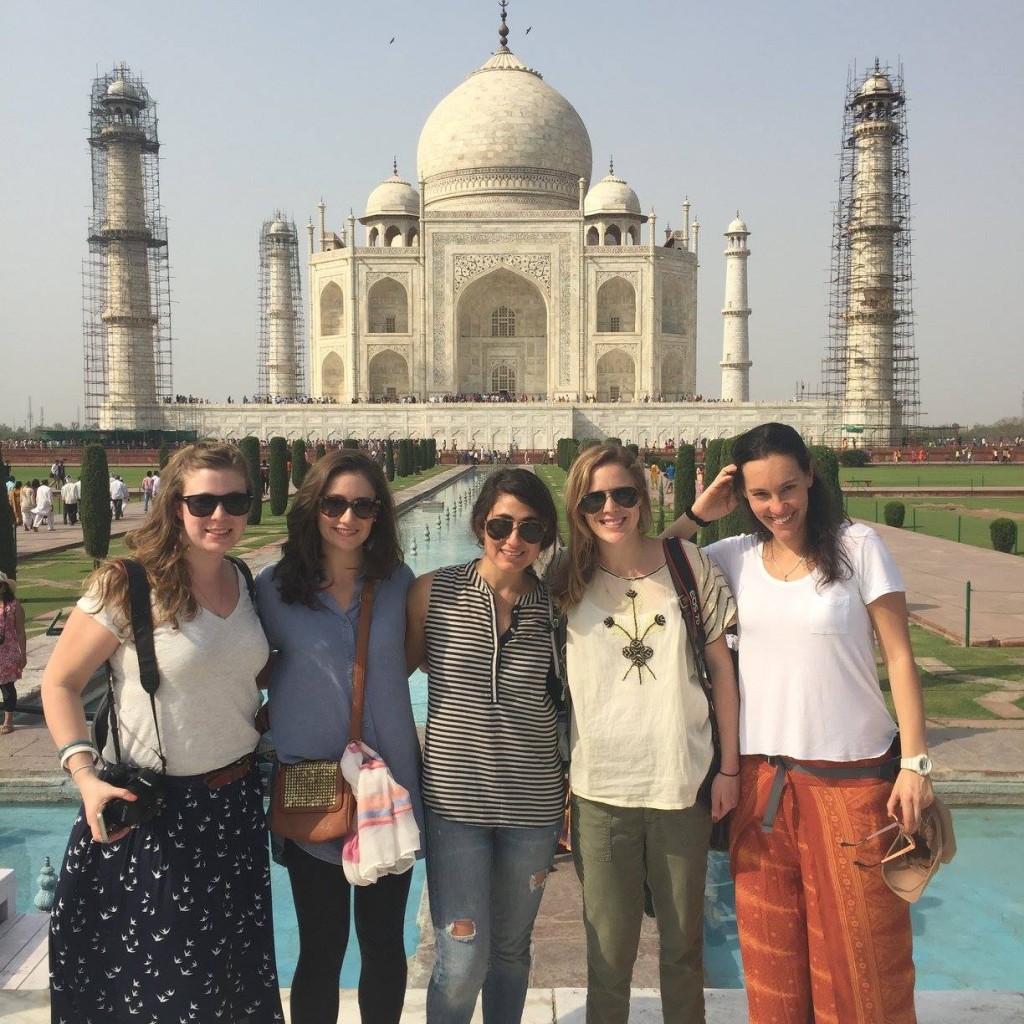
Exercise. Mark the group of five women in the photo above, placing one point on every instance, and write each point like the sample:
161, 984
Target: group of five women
175, 913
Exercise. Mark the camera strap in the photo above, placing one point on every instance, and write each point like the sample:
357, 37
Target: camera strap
141, 611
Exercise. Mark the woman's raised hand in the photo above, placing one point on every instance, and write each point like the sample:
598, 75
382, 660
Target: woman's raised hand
718, 498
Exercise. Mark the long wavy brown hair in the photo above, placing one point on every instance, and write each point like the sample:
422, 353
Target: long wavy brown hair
301, 571
159, 545
575, 571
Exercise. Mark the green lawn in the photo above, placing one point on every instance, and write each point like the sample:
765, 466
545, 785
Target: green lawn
961, 519
941, 474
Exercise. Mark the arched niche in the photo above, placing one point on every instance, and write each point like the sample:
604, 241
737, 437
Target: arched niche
389, 375
332, 377
501, 300
616, 377
387, 307
593, 236
616, 307
672, 312
332, 309
613, 235
393, 237
673, 377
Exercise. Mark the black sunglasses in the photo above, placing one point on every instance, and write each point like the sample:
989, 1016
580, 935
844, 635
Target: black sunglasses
500, 527
335, 506
593, 501
237, 503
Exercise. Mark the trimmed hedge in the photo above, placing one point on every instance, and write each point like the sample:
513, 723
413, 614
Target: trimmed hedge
686, 478
1004, 535
8, 533
717, 455
389, 460
827, 464
321, 450
894, 513
94, 506
163, 455
250, 449
278, 475
853, 457
300, 464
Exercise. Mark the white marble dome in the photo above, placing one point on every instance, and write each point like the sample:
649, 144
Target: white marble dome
611, 195
279, 227
737, 227
504, 132
874, 84
393, 198
121, 90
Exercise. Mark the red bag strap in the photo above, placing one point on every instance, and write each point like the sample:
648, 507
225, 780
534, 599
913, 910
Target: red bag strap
355, 730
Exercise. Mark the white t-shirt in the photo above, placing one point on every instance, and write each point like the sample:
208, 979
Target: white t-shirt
640, 732
207, 699
808, 683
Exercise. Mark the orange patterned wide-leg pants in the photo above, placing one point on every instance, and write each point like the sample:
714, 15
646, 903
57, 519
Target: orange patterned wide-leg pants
823, 940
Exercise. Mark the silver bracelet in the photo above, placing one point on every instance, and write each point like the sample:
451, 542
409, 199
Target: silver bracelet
79, 747
82, 767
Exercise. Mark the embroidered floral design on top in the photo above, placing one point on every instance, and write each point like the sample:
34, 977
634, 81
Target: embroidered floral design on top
636, 652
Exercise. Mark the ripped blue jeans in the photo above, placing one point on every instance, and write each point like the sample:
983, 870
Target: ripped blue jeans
485, 886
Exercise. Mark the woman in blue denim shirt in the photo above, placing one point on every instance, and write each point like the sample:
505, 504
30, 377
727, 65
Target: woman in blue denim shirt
341, 531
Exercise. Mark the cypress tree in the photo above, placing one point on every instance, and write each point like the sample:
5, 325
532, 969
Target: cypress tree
321, 450
613, 440
350, 442
300, 465
250, 449
827, 463
8, 528
278, 476
389, 460
163, 455
686, 478
94, 506
719, 454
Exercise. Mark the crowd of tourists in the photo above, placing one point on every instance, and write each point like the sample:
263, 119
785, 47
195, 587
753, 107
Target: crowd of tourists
611, 673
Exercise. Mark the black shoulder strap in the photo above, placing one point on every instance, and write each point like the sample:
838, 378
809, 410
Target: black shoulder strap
689, 602
246, 572
142, 623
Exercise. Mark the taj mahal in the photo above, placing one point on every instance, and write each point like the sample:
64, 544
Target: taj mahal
506, 299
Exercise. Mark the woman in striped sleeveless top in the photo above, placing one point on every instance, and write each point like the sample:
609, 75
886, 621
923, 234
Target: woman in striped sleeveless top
492, 776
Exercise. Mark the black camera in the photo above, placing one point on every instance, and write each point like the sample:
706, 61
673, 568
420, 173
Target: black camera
147, 786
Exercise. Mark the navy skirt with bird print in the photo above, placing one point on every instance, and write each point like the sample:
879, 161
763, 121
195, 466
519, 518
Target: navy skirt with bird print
172, 923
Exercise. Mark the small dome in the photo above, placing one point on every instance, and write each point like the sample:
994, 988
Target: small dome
611, 195
876, 83
737, 227
279, 227
393, 198
121, 90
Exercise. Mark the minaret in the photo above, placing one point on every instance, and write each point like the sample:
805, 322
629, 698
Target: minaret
279, 373
124, 293
870, 312
735, 362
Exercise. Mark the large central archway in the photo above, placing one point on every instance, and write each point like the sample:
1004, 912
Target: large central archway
501, 335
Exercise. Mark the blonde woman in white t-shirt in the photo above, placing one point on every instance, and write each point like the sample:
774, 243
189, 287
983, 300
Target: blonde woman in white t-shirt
167, 915
822, 937
640, 735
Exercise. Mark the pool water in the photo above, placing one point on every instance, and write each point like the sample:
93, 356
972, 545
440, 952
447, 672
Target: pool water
968, 927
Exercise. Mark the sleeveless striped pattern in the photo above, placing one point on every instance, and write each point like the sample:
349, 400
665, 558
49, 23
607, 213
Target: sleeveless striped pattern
491, 752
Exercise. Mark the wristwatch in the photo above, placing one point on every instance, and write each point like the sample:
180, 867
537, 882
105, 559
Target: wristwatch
920, 763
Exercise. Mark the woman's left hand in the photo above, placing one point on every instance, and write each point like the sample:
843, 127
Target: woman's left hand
725, 795
911, 794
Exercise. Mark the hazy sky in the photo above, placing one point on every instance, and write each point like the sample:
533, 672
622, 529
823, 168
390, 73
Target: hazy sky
737, 105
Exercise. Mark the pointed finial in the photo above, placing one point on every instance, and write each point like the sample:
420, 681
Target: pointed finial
503, 27
394, 166
611, 165
737, 214
878, 66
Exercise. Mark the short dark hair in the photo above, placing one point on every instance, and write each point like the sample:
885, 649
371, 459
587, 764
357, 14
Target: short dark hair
524, 486
301, 569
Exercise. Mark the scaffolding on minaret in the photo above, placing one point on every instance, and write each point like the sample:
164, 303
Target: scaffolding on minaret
126, 275
280, 357
871, 282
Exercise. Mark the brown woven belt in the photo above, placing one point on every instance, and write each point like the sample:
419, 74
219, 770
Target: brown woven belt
219, 777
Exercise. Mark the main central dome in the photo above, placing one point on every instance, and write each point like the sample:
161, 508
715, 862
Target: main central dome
504, 136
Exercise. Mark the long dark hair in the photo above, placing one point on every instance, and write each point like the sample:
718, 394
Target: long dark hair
825, 515
301, 569
524, 486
